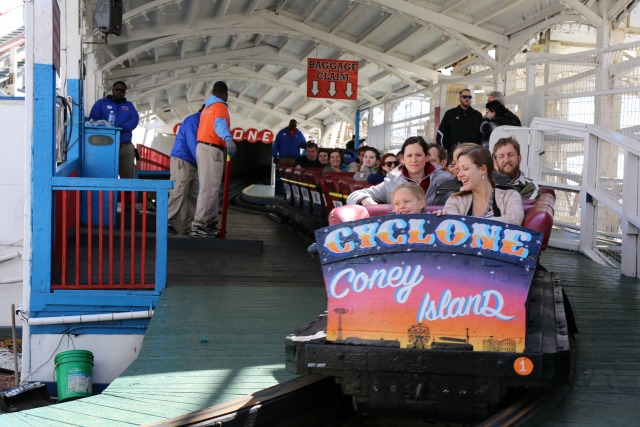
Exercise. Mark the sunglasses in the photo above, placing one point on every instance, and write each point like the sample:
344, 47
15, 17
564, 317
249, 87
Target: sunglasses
389, 164
466, 96
120, 90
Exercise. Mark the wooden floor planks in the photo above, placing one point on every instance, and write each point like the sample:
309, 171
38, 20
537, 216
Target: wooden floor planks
607, 310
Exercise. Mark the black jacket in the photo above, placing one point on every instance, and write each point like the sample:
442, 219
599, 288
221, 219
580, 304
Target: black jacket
488, 125
459, 125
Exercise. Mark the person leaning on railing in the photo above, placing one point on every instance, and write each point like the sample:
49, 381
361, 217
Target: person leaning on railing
126, 118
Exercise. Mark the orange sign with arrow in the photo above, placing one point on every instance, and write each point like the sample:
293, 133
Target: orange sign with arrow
332, 78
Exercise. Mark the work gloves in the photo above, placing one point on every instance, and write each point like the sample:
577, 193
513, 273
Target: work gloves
231, 147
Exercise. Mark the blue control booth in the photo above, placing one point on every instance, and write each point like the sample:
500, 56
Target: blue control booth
100, 157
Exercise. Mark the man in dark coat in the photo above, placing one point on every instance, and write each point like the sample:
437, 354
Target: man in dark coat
460, 124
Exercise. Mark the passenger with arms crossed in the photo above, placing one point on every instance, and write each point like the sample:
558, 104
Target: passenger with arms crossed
416, 169
408, 198
506, 160
478, 196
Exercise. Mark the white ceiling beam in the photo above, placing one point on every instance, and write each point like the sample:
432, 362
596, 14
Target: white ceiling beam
203, 26
280, 99
443, 21
280, 115
285, 44
495, 11
245, 88
348, 46
238, 74
353, 11
442, 43
533, 19
217, 57
250, 8
235, 39
264, 95
451, 5
592, 17
296, 108
210, 40
193, 12
519, 39
617, 8
374, 28
222, 10
319, 4
193, 89
281, 4
250, 26
183, 48
477, 50
415, 29
159, 15
172, 93
317, 111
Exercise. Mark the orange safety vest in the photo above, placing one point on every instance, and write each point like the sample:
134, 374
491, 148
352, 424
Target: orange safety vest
206, 129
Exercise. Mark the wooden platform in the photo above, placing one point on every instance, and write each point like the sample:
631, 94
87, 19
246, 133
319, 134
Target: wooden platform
217, 335
607, 310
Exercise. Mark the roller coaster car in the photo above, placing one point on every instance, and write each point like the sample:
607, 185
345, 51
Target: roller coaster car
438, 317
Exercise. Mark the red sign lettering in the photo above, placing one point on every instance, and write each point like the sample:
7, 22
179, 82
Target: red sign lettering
332, 78
252, 135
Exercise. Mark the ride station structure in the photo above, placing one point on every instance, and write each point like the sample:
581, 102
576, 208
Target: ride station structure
86, 256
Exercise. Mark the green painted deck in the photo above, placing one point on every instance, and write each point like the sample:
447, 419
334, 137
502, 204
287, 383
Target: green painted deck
245, 304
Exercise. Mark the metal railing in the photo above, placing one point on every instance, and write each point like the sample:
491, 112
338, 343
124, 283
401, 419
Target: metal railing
596, 210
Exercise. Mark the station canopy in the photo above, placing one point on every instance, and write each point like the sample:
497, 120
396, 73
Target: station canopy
170, 52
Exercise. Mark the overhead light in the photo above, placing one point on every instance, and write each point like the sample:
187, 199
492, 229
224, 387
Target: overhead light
478, 91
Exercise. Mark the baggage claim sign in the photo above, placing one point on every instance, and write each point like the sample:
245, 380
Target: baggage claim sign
332, 78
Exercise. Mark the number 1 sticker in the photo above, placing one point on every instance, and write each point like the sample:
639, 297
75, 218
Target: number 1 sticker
523, 366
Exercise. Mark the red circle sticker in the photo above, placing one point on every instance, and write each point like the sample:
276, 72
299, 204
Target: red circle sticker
523, 366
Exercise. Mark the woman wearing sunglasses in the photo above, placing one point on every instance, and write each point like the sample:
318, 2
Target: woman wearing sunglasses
388, 162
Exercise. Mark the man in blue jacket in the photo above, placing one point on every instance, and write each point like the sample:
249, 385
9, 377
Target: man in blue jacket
286, 150
126, 118
289, 141
184, 174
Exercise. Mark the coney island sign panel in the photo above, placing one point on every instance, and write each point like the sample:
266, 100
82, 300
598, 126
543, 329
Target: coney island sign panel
423, 281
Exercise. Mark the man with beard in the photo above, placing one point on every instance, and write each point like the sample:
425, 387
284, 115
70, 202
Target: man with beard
506, 160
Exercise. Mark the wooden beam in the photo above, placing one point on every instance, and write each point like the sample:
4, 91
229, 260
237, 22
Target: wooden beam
592, 17
371, 55
190, 62
441, 20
